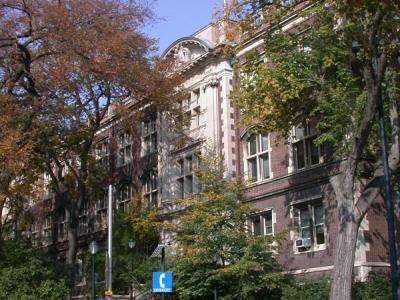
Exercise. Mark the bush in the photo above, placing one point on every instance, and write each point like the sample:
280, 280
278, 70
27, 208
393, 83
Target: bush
307, 289
377, 288
27, 274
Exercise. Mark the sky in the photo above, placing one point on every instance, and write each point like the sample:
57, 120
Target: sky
180, 18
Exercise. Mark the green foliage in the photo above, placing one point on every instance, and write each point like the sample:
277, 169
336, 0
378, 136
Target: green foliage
26, 274
129, 266
377, 288
216, 249
316, 74
317, 289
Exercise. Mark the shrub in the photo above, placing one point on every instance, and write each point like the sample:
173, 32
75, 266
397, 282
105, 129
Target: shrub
377, 288
27, 274
307, 289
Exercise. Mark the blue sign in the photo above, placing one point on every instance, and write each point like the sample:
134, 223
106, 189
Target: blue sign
162, 282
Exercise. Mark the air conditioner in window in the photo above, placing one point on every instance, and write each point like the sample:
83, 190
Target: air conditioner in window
303, 243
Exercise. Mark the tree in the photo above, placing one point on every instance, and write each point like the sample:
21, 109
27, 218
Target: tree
316, 76
27, 274
217, 253
131, 267
18, 172
66, 64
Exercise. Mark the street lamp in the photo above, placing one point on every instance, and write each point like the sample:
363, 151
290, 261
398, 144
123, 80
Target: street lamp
131, 245
93, 251
387, 184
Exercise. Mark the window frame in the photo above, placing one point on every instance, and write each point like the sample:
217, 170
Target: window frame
186, 167
150, 190
262, 218
124, 197
124, 149
101, 212
83, 220
310, 207
62, 227
303, 138
102, 153
254, 160
149, 137
47, 230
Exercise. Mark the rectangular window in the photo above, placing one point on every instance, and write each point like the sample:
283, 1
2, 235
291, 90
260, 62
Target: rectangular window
150, 190
196, 96
264, 143
83, 220
47, 230
310, 220
253, 168
149, 137
187, 180
253, 145
35, 233
264, 166
257, 226
261, 223
181, 167
62, 227
124, 196
196, 117
319, 226
268, 223
101, 212
305, 152
258, 157
181, 188
124, 148
102, 153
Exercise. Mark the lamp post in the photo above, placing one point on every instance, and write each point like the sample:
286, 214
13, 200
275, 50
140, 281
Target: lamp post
93, 251
387, 184
388, 196
131, 245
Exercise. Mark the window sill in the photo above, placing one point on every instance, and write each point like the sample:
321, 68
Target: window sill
315, 249
305, 169
259, 182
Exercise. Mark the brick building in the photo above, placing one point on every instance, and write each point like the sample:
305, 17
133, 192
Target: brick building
287, 181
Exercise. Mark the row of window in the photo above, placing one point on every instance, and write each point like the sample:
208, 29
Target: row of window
308, 219
123, 198
125, 145
258, 153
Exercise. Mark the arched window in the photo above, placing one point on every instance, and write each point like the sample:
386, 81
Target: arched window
257, 157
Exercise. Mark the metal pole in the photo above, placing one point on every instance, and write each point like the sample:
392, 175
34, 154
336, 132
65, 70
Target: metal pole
93, 278
215, 294
109, 248
162, 267
388, 197
131, 289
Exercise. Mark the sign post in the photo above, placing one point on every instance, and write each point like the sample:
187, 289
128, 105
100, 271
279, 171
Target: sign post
162, 282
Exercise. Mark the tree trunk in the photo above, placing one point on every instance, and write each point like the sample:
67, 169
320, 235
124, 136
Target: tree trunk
2, 202
344, 260
72, 233
345, 245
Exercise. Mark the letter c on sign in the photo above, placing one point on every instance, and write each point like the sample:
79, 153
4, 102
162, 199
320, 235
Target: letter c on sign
162, 284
